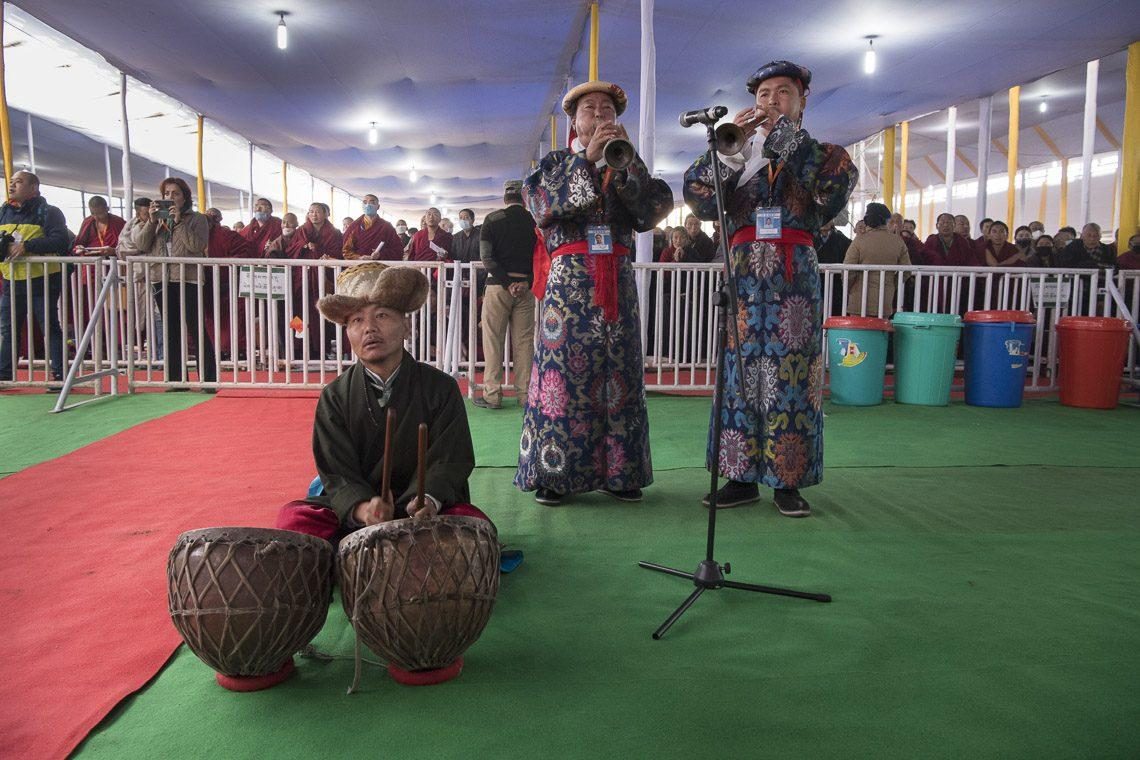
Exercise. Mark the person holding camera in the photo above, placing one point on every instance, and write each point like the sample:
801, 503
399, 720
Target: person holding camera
778, 192
586, 427
30, 227
175, 230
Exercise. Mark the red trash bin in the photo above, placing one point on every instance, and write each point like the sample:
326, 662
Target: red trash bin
1092, 360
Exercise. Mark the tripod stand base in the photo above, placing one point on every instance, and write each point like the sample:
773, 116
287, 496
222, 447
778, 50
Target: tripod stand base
710, 575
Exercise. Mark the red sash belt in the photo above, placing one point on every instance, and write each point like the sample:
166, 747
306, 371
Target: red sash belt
786, 243
604, 270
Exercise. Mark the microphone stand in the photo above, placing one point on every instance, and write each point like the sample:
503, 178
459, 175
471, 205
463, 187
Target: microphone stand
710, 573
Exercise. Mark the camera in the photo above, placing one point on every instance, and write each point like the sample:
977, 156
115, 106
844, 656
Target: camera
162, 213
6, 240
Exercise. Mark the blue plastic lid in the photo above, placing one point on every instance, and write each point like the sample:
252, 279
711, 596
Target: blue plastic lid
918, 318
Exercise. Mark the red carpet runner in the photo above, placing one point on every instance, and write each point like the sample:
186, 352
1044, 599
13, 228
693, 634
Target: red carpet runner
83, 610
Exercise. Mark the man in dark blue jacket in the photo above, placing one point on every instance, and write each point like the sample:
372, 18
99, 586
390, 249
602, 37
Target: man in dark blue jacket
30, 227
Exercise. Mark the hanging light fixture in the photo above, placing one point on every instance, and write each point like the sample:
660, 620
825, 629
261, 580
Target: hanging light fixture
373, 135
869, 61
282, 32
412, 176
1043, 107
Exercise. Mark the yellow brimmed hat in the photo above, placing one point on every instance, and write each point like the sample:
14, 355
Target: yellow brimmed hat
401, 289
609, 88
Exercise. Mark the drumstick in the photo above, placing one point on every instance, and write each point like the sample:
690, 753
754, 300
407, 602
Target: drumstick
421, 462
386, 481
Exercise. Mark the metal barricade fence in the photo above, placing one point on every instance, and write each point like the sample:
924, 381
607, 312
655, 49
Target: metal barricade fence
254, 323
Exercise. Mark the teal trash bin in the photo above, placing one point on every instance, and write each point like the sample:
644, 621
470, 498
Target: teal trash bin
857, 359
925, 346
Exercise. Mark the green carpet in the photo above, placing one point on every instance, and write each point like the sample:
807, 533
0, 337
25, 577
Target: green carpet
979, 612
30, 434
891, 435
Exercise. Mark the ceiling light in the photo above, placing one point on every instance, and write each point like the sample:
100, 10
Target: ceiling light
869, 62
431, 200
373, 135
282, 32
412, 176
1043, 107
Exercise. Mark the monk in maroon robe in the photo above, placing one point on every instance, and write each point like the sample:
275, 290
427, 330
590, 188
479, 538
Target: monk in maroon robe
370, 237
998, 251
225, 244
98, 234
316, 239
263, 229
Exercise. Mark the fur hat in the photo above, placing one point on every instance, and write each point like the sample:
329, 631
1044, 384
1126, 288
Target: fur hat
569, 103
401, 289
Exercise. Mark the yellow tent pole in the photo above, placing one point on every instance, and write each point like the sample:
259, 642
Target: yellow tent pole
902, 170
201, 174
5, 125
553, 132
1011, 158
1130, 150
593, 42
918, 218
285, 186
1064, 218
889, 165
1112, 203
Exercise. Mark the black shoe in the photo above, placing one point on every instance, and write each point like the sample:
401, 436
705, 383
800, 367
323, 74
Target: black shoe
483, 404
548, 497
632, 495
790, 503
734, 494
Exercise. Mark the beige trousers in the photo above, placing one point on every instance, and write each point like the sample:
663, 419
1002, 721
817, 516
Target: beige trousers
500, 308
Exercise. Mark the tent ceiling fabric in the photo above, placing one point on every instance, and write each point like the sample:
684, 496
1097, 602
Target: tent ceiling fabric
464, 91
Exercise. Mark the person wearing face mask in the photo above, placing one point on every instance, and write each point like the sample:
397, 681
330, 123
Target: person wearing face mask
370, 237
402, 231
1023, 239
1036, 230
1042, 253
263, 228
276, 248
585, 424
778, 191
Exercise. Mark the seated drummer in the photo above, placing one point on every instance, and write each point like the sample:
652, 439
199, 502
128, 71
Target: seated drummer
373, 302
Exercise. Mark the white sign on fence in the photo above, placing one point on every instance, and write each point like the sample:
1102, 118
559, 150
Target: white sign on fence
263, 283
1051, 294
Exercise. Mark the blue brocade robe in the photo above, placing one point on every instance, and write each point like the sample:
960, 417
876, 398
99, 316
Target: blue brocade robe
773, 427
585, 426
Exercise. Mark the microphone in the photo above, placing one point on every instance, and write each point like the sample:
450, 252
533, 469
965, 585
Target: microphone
709, 115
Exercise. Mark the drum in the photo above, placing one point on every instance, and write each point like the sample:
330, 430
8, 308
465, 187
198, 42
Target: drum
420, 592
246, 599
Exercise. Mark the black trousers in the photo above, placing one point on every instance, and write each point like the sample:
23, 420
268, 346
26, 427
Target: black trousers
178, 293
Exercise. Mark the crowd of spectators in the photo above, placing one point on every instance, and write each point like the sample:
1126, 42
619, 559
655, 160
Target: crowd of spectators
879, 238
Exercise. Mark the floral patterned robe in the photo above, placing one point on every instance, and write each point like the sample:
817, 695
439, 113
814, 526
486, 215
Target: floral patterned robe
773, 426
585, 426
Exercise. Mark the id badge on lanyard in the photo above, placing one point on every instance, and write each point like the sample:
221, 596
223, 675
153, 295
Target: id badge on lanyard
599, 239
769, 224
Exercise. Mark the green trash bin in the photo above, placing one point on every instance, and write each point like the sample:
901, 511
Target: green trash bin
925, 346
857, 359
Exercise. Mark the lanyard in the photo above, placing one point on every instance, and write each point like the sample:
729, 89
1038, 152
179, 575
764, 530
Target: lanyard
772, 175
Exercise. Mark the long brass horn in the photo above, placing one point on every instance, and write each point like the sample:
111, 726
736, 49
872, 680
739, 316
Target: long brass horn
618, 153
729, 139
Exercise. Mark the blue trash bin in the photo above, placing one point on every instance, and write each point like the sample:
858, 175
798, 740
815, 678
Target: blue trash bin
996, 349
